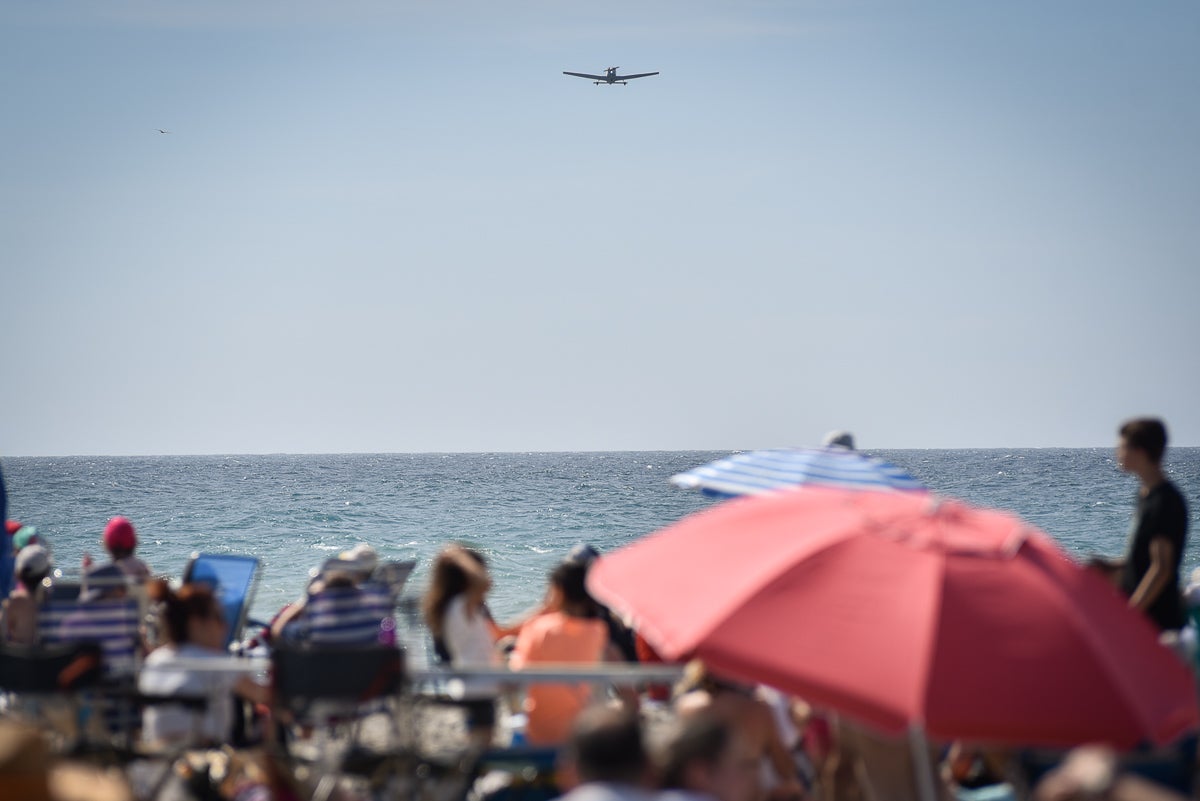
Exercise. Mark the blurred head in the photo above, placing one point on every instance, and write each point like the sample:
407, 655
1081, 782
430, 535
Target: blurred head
360, 561
606, 746
190, 615
583, 554
25, 536
449, 580
120, 539
1143, 441
705, 754
32, 565
838, 439
569, 582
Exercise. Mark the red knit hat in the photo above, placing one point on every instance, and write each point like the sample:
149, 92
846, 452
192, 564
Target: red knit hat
119, 534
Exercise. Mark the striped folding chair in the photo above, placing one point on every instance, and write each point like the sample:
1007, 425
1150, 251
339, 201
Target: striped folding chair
112, 625
359, 615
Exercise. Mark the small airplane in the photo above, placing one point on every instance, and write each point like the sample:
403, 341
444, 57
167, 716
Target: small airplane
610, 76
160, 130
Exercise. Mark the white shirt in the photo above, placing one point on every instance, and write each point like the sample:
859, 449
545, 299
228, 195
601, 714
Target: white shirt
469, 641
470, 644
165, 723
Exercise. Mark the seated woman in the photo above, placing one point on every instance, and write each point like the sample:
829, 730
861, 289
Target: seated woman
464, 633
572, 634
194, 627
341, 606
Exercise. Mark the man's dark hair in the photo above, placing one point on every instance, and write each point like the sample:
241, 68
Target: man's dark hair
701, 738
1147, 434
606, 745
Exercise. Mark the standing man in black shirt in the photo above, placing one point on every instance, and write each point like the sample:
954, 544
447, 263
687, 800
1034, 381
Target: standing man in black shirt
1149, 574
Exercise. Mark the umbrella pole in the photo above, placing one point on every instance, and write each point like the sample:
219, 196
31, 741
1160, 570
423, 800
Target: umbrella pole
926, 789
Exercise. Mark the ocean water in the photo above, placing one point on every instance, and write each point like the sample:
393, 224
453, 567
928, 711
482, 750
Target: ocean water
524, 510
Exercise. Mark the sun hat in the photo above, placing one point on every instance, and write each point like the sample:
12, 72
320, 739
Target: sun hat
362, 558
33, 560
26, 535
119, 534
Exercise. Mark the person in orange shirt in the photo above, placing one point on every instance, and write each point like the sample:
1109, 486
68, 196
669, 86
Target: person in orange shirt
571, 634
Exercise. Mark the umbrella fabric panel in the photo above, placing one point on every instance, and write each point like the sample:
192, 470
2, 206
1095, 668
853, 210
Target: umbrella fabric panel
863, 653
758, 472
674, 584
899, 609
705, 570
1050, 636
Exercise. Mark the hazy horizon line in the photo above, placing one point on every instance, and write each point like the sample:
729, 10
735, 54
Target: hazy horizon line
551, 451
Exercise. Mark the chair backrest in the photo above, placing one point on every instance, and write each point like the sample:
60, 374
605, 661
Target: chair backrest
348, 616
394, 575
63, 590
48, 669
233, 578
303, 673
111, 624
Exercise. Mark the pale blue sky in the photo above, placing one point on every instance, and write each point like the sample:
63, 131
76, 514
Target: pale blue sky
396, 226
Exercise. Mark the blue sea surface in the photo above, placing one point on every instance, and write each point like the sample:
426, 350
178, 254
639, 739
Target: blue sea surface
524, 510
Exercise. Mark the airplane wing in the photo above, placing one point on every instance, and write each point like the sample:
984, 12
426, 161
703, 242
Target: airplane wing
585, 75
639, 75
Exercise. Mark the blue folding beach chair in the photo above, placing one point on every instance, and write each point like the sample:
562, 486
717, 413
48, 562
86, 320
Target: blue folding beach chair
234, 579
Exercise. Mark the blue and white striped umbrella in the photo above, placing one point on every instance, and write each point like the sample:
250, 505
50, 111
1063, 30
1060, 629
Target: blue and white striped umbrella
757, 472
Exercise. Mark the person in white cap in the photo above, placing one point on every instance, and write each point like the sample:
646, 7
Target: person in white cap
20, 609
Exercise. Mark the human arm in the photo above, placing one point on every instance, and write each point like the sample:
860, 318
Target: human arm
1158, 574
523, 650
500, 630
286, 616
626, 692
789, 785
1090, 772
839, 780
252, 691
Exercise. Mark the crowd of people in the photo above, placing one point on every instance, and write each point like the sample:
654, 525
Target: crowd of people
716, 738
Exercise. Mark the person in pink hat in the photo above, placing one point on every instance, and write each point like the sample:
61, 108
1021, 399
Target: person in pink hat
120, 540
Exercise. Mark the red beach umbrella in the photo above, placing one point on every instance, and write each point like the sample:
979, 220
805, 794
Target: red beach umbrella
904, 611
